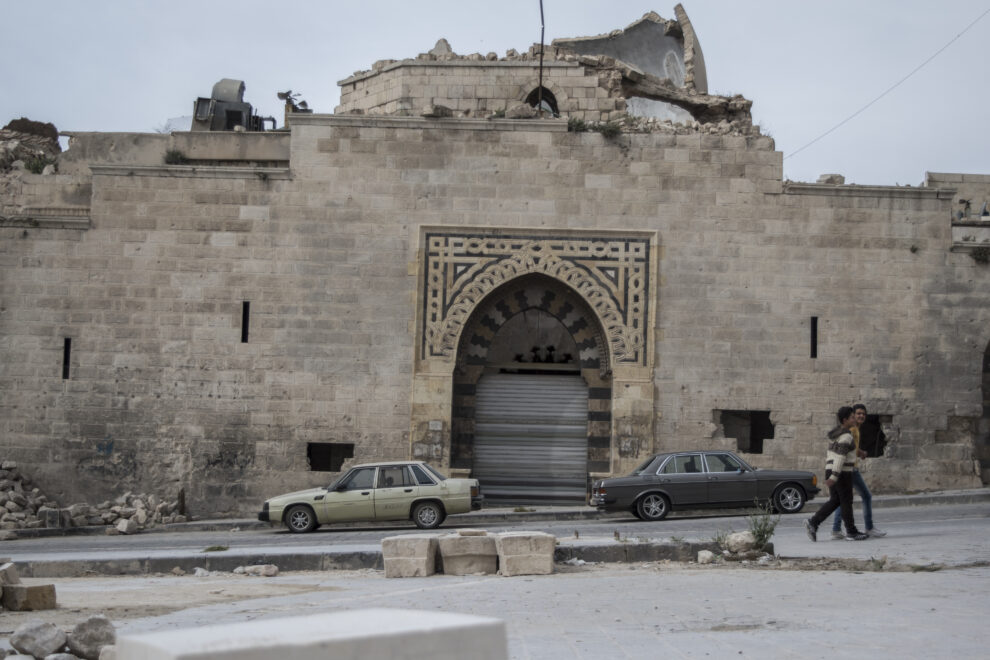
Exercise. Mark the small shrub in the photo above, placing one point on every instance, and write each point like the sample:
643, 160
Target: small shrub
216, 548
37, 164
719, 538
981, 255
175, 157
575, 125
609, 129
763, 523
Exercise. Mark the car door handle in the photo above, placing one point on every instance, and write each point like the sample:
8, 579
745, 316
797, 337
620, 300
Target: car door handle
407, 490
365, 492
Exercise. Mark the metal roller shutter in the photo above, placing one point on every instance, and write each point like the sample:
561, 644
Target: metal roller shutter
531, 438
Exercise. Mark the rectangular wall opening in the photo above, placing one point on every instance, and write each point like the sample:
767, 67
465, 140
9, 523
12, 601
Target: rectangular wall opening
328, 456
749, 428
245, 318
872, 439
66, 357
814, 337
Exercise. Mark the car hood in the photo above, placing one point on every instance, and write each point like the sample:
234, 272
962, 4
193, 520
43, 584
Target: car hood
309, 493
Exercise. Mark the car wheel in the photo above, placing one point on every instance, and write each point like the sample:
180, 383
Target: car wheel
653, 507
300, 519
789, 498
428, 515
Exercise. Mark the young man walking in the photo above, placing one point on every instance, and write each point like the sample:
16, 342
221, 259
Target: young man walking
841, 459
859, 485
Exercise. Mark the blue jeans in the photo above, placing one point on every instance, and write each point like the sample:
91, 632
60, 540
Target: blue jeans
864, 494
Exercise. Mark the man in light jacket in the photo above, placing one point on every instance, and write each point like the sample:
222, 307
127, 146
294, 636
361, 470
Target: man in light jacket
839, 465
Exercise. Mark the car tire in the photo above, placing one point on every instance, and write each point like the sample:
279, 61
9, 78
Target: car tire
300, 519
653, 506
428, 515
789, 498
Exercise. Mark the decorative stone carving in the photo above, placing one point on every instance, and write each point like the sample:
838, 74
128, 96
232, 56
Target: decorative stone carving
611, 273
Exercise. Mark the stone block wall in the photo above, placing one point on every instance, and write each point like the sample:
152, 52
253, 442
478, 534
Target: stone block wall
162, 393
479, 89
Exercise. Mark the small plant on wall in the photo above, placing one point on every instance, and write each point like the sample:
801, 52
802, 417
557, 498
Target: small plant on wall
981, 255
175, 157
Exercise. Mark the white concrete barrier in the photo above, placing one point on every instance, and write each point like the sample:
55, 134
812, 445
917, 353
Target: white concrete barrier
525, 553
369, 633
412, 555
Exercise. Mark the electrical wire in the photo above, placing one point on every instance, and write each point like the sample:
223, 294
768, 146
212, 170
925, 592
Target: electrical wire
891, 88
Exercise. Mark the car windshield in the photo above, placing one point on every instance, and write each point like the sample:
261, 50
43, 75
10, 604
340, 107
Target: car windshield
645, 466
434, 472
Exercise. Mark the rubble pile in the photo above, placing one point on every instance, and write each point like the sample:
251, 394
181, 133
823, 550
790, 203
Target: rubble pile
90, 639
28, 142
24, 506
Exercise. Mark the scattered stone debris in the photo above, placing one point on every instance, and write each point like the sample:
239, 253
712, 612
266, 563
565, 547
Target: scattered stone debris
90, 639
261, 570
19, 597
24, 506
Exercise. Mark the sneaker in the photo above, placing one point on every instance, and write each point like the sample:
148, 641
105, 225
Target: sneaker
811, 529
837, 535
858, 536
876, 532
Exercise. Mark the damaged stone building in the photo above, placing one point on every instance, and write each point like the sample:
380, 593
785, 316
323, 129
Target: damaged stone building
534, 269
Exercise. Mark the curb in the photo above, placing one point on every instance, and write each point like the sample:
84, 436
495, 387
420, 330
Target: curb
603, 552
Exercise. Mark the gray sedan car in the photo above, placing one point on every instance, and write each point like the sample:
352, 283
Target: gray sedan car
702, 479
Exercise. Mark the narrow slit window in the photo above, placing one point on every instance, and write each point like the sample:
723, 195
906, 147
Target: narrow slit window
814, 336
66, 357
245, 319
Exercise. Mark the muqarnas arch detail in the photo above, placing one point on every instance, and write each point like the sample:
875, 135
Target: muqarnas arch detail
610, 272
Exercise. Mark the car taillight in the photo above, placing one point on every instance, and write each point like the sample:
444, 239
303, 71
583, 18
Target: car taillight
475, 491
814, 480
598, 491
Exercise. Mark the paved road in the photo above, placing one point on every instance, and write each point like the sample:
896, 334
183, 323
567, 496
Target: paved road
655, 609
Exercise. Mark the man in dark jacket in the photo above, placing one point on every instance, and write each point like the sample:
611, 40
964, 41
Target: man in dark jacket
839, 465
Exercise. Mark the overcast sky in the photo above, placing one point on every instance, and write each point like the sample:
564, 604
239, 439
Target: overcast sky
130, 65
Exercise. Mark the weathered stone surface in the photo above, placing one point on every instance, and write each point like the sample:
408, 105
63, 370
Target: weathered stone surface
126, 526
260, 570
33, 598
8, 573
90, 636
413, 555
525, 553
38, 638
706, 557
740, 542
468, 555
108, 653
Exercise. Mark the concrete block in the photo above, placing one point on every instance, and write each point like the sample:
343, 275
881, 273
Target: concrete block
24, 598
525, 553
414, 555
8, 573
370, 633
468, 555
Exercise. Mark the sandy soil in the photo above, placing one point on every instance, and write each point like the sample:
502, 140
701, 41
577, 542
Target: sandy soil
125, 597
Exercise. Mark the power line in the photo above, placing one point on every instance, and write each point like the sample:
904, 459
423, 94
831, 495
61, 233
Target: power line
891, 88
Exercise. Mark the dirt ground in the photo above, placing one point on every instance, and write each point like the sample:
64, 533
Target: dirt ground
124, 597
127, 597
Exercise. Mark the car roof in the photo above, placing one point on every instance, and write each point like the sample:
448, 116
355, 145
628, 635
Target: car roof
386, 463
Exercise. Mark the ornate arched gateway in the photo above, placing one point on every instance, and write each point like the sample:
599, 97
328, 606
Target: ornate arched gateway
534, 358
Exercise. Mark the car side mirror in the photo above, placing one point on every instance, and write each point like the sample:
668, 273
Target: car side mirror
340, 489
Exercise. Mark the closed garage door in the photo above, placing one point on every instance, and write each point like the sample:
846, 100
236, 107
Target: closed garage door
531, 438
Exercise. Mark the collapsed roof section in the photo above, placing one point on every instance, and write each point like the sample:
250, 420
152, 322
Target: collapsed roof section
649, 76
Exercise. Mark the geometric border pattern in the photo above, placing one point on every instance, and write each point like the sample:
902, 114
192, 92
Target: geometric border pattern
611, 273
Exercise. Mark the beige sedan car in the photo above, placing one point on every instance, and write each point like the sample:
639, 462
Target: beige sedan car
400, 490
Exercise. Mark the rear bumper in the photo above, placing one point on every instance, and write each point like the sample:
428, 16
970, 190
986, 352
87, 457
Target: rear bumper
263, 514
477, 502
